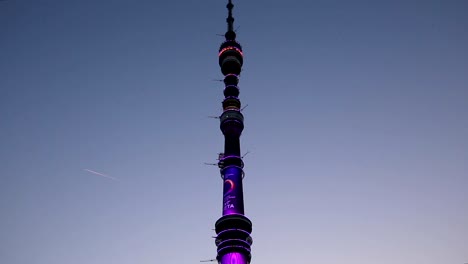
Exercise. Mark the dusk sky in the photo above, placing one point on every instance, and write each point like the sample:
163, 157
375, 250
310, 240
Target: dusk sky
357, 127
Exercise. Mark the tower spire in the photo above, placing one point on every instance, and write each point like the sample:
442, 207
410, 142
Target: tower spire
230, 34
230, 19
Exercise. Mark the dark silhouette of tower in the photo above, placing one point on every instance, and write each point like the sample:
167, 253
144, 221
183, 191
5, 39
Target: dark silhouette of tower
233, 228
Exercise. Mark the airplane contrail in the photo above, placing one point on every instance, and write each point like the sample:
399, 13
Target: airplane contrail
101, 174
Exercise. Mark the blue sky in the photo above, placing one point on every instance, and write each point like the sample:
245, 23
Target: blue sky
357, 127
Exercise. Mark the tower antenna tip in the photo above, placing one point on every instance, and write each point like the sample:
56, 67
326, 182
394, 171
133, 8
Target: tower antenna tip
230, 21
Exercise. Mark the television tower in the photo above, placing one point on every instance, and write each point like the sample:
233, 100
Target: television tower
233, 228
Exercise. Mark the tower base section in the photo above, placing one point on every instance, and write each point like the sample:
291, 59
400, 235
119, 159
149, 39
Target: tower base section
233, 239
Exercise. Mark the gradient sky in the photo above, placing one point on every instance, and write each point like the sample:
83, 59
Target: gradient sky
357, 125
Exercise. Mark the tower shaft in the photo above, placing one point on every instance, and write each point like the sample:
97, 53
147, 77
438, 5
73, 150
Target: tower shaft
233, 228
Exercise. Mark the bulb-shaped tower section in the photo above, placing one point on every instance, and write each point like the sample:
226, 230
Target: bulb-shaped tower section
233, 228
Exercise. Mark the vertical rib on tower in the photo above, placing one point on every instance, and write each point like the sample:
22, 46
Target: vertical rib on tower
233, 228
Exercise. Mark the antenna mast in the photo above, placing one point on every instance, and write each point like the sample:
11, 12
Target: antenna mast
230, 19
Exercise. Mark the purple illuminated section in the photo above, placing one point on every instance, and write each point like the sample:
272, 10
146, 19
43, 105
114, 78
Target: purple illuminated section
233, 198
234, 258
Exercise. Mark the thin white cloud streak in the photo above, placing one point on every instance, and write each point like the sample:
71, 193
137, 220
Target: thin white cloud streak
101, 174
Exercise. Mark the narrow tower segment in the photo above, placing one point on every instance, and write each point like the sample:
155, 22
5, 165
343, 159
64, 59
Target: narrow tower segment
233, 228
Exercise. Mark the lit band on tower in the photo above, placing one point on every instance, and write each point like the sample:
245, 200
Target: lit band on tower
233, 228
